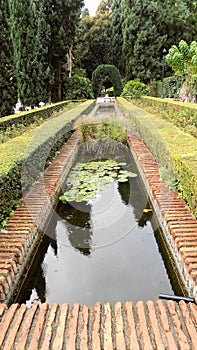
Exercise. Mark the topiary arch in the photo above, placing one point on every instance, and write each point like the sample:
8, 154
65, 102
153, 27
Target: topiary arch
103, 73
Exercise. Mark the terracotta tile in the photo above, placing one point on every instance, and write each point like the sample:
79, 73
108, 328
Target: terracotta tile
119, 330
72, 328
61, 329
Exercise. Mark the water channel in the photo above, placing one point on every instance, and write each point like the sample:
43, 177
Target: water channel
110, 250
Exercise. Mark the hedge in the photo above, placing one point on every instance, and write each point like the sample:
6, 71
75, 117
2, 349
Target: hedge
164, 103
28, 117
23, 159
171, 147
103, 73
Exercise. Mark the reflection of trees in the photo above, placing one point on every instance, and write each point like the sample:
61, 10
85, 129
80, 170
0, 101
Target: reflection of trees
133, 193
78, 225
36, 278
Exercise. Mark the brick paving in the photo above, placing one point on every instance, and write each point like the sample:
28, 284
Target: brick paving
151, 325
144, 326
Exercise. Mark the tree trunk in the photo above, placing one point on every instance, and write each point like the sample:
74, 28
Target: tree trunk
59, 89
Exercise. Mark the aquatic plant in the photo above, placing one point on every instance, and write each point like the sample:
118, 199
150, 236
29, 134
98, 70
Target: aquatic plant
87, 180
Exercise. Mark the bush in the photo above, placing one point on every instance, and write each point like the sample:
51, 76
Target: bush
172, 87
77, 88
29, 117
135, 89
171, 147
22, 159
103, 73
181, 114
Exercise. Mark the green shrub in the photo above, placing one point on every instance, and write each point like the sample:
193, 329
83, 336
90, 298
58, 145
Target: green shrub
135, 89
172, 86
23, 159
181, 114
103, 73
29, 117
172, 148
77, 88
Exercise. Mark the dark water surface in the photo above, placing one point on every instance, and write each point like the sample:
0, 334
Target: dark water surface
106, 251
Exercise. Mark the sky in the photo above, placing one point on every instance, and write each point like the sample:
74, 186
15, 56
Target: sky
92, 6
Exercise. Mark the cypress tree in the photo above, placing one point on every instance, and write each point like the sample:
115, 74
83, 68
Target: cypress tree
116, 38
142, 38
62, 18
7, 82
26, 23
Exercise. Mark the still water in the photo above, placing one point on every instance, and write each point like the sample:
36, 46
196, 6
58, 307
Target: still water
106, 251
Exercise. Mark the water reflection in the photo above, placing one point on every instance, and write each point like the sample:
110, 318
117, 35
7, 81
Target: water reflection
101, 253
77, 217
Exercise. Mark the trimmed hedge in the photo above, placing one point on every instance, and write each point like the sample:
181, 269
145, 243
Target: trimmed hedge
23, 159
29, 117
103, 73
172, 148
164, 103
135, 89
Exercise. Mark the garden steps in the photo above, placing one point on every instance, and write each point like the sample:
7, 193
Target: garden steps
145, 325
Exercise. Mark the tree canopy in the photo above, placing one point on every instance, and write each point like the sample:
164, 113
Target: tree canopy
43, 42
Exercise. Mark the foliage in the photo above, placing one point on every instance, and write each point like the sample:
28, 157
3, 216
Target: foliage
141, 29
172, 148
183, 60
14, 121
29, 51
7, 82
62, 18
135, 89
106, 130
23, 159
87, 180
172, 87
93, 41
106, 73
143, 38
40, 55
182, 115
16, 125
77, 87
116, 37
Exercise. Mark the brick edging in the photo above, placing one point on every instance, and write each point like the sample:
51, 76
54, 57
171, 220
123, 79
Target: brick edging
150, 325
22, 232
178, 224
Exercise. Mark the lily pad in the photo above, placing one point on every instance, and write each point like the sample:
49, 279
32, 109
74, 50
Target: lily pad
87, 180
123, 179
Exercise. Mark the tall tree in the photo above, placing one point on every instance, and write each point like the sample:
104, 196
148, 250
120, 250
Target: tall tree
8, 91
97, 38
181, 21
27, 28
142, 38
116, 38
62, 18
146, 27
